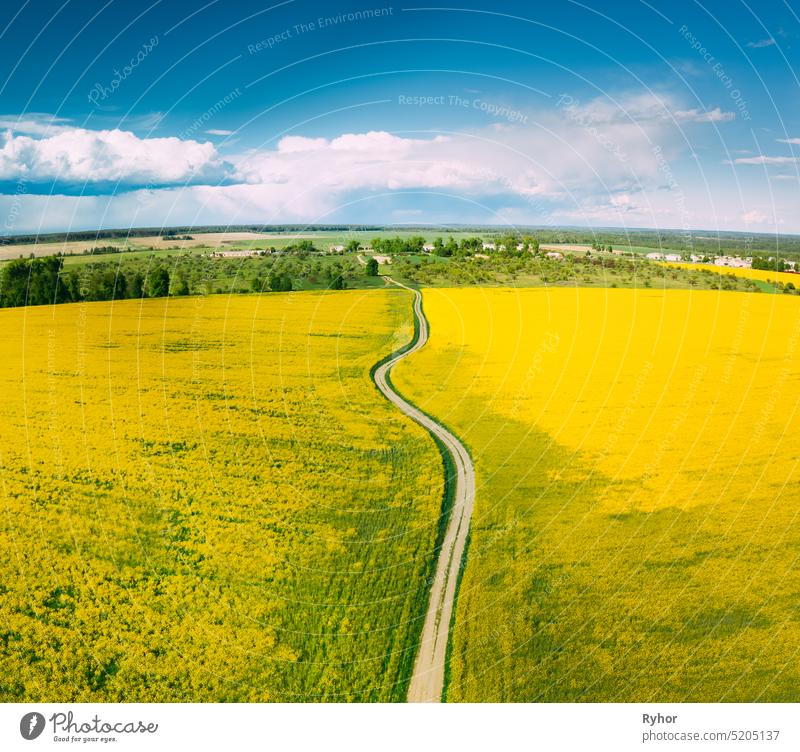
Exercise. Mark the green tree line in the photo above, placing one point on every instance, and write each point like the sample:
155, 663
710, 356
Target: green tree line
42, 281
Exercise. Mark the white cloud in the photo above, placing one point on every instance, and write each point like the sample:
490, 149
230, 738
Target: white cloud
762, 43
596, 161
755, 217
647, 107
704, 116
35, 124
219, 132
794, 141
78, 155
762, 159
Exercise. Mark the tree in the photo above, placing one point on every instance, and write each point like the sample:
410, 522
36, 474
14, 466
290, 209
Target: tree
337, 282
158, 283
136, 286
33, 282
372, 267
120, 289
181, 285
280, 282
14, 282
74, 287
353, 246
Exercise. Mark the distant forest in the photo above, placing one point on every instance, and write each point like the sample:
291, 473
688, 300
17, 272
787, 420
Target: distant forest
708, 241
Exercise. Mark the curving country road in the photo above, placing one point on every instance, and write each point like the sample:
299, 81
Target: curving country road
427, 679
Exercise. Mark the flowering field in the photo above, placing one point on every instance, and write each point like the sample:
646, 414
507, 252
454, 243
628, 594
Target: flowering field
207, 499
635, 535
760, 274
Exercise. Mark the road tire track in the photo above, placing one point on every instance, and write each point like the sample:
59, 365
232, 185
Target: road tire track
427, 678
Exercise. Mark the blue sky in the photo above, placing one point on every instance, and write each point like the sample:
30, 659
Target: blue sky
674, 115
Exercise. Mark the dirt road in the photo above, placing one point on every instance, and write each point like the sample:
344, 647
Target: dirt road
427, 679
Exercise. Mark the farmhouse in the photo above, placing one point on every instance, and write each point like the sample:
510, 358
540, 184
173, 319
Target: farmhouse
239, 254
655, 256
336, 248
673, 257
428, 247
554, 255
733, 261
383, 259
489, 247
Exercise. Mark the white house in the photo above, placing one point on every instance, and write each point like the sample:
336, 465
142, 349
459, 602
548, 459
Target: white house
336, 248
489, 247
554, 255
428, 247
383, 259
673, 257
655, 256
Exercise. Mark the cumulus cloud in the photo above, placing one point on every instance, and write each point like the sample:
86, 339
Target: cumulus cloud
595, 160
78, 155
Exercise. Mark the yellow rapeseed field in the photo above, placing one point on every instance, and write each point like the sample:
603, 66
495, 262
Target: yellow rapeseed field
208, 500
635, 534
760, 274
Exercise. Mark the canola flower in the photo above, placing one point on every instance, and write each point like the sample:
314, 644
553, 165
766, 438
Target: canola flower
635, 532
762, 275
206, 499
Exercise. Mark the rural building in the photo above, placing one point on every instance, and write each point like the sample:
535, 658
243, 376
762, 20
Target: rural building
673, 257
733, 261
554, 255
383, 259
428, 247
655, 256
239, 254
